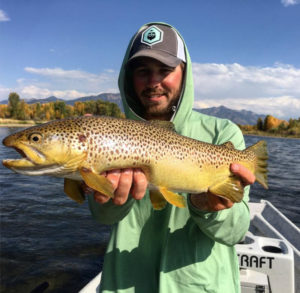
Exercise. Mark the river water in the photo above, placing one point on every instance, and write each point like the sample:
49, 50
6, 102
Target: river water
49, 241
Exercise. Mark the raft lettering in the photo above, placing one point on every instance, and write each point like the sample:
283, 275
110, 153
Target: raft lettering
254, 261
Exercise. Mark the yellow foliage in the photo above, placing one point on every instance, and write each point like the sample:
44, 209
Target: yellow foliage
272, 122
3, 111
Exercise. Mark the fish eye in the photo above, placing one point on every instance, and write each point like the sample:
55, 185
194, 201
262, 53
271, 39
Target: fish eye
35, 137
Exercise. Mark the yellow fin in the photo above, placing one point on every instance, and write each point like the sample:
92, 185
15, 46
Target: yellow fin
172, 198
157, 200
75, 161
73, 189
97, 182
231, 189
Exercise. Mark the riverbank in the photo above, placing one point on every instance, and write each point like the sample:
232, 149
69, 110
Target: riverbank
270, 134
19, 123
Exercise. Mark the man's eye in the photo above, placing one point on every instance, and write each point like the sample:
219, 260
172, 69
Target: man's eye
142, 71
166, 70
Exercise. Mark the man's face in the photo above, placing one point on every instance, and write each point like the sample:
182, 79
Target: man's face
158, 87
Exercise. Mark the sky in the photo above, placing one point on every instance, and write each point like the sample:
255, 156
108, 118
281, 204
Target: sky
245, 53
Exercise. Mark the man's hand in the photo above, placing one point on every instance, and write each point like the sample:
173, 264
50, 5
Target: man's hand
211, 202
124, 181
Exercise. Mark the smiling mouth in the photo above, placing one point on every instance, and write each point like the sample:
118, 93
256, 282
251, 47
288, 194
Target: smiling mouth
155, 97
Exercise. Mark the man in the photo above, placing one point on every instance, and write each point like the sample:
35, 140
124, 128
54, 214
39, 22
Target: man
171, 250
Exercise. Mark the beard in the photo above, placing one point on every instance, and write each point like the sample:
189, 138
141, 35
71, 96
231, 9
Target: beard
156, 109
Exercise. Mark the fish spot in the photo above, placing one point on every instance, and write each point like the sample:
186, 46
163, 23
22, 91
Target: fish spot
82, 137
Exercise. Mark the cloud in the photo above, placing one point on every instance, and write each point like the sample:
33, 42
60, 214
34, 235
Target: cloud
41, 83
4, 92
35, 92
289, 2
68, 83
268, 90
77, 79
61, 73
271, 90
3, 16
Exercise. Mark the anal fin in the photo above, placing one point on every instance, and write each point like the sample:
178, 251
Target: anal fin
97, 182
231, 189
73, 189
157, 200
172, 198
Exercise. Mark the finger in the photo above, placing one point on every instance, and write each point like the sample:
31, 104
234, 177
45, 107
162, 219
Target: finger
114, 177
217, 203
124, 186
214, 203
226, 203
85, 188
140, 184
245, 174
101, 198
200, 201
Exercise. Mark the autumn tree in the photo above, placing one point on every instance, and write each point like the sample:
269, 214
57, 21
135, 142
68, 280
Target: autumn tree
259, 124
13, 103
60, 109
38, 111
4, 111
79, 108
115, 110
21, 111
90, 107
101, 108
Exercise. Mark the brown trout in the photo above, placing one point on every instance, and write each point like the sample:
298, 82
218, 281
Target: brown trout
82, 148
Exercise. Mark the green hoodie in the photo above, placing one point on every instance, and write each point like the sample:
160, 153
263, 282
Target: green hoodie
174, 249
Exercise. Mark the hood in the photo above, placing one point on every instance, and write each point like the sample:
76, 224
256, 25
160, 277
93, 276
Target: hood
132, 106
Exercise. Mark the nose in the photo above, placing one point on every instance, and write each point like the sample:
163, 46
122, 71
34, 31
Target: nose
154, 79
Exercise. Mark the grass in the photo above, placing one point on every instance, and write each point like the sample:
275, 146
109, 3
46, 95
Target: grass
285, 133
15, 122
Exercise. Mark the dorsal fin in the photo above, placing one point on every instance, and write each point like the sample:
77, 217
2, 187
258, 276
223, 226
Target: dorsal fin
164, 124
229, 145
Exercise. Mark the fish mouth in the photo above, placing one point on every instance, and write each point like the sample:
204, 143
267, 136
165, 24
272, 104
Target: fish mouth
31, 158
33, 162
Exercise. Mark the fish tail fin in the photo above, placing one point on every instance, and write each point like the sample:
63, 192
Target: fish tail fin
261, 153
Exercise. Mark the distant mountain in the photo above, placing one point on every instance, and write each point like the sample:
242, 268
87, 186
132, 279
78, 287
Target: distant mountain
107, 97
242, 117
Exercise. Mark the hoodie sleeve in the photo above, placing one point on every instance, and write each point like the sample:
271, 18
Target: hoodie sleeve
109, 213
230, 225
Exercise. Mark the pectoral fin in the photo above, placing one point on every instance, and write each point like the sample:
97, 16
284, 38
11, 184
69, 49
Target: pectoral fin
97, 182
157, 200
74, 162
231, 189
73, 189
172, 198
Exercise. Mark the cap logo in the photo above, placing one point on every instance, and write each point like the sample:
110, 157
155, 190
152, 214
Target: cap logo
152, 36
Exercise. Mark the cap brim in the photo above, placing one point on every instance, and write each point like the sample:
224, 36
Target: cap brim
161, 56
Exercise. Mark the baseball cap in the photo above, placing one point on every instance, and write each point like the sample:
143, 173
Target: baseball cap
160, 42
